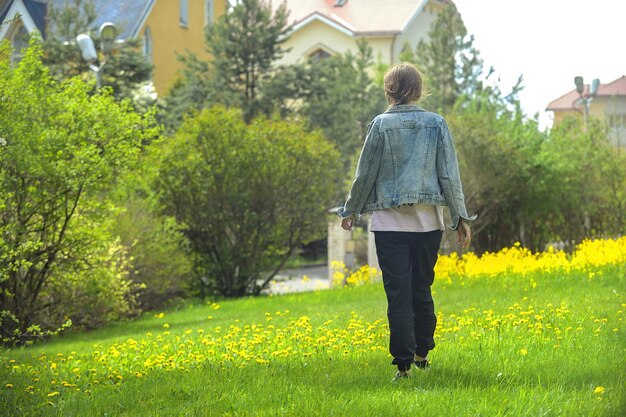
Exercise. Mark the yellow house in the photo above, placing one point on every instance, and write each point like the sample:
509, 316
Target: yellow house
167, 27
608, 105
327, 27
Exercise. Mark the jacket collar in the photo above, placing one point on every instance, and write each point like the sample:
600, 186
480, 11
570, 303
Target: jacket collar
404, 108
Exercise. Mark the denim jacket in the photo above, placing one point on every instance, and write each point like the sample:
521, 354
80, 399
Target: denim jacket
408, 157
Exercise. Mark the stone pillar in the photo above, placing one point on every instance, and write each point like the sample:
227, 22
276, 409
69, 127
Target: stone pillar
337, 244
372, 259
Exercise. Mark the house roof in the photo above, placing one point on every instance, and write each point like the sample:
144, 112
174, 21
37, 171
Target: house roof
568, 100
127, 15
357, 17
35, 9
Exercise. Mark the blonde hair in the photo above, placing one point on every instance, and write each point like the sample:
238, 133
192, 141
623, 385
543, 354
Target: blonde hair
403, 84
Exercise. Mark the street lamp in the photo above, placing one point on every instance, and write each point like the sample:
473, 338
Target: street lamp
108, 33
593, 90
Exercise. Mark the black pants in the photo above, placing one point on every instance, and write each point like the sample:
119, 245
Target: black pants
407, 261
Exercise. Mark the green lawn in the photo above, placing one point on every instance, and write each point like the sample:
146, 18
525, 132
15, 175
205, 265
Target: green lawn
538, 345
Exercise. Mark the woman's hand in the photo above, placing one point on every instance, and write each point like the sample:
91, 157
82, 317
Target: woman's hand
347, 223
465, 234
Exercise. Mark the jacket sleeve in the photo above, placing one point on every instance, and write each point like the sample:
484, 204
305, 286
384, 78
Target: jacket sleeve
450, 177
366, 172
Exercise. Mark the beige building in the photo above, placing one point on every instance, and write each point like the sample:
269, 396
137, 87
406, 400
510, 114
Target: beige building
327, 27
608, 105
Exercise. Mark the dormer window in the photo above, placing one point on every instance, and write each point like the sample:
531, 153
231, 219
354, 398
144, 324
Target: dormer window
319, 54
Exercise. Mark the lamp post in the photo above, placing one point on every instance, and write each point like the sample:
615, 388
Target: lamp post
108, 31
593, 90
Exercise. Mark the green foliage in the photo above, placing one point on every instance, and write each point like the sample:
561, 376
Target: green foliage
244, 45
65, 148
531, 186
160, 260
497, 151
591, 176
335, 95
245, 196
450, 63
340, 98
160, 264
126, 67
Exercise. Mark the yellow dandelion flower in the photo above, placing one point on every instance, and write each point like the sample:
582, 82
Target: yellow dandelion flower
53, 394
9, 385
523, 352
598, 390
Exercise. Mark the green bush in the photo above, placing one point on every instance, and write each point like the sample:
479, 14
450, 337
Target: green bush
160, 263
245, 195
536, 187
64, 149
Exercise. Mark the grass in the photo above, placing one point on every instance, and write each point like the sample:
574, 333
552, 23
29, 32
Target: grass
543, 344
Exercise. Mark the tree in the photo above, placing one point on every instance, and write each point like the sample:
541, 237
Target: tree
335, 95
449, 61
535, 187
341, 99
161, 263
245, 195
588, 174
501, 177
64, 149
126, 67
244, 45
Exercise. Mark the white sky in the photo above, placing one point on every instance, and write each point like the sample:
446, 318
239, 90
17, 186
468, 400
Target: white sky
549, 42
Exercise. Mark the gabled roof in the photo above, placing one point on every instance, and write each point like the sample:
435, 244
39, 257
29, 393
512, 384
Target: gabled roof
127, 15
568, 100
36, 11
614, 88
357, 17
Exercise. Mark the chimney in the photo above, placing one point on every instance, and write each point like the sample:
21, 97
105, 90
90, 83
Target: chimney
340, 3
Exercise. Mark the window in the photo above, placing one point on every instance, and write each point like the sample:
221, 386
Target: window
208, 12
318, 54
20, 43
184, 13
147, 43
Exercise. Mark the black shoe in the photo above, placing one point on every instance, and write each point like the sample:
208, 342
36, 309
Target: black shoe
423, 364
400, 375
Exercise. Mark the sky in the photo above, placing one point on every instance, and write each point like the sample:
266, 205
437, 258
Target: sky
549, 42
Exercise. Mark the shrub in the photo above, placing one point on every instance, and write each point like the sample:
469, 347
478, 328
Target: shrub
160, 263
245, 195
63, 150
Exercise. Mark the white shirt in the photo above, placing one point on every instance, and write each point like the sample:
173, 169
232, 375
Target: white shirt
408, 218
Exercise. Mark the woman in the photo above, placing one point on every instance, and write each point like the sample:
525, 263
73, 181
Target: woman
406, 172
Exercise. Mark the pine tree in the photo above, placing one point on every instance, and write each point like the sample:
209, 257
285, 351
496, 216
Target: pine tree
450, 63
244, 45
